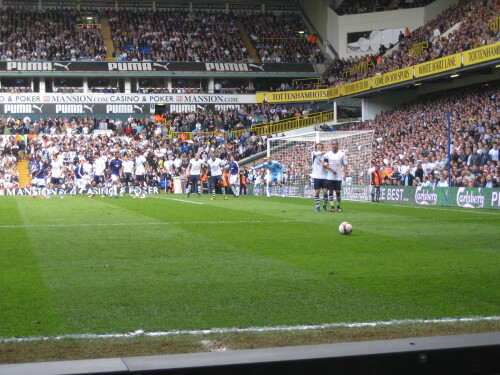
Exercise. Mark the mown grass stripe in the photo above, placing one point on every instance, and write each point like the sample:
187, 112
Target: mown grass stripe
26, 306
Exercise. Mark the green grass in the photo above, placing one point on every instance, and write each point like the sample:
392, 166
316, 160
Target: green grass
80, 265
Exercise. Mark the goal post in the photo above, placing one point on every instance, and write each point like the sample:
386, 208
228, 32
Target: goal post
294, 152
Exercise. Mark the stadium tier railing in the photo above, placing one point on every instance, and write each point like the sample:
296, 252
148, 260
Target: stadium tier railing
274, 127
417, 49
495, 25
88, 26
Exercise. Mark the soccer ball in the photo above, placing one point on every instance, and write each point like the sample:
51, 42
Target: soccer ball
345, 228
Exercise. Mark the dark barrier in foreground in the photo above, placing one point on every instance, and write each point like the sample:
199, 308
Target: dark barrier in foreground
461, 354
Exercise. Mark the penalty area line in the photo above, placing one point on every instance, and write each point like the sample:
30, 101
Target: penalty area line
140, 332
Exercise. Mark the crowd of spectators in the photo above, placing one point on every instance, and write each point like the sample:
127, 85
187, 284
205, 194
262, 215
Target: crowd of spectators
177, 35
32, 34
412, 138
71, 138
369, 6
409, 140
166, 156
174, 35
276, 38
243, 117
202, 120
9, 154
472, 18
13, 90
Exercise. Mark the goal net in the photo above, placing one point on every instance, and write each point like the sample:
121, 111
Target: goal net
294, 152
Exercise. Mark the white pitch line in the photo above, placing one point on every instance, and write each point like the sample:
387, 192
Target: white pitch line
177, 200
152, 223
253, 329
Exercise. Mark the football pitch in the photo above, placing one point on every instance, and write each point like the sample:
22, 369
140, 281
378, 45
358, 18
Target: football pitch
80, 265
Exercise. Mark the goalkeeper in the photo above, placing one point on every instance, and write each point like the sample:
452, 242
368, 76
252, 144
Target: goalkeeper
276, 171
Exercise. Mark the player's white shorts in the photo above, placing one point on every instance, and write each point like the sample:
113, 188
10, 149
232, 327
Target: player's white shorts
81, 183
115, 177
39, 181
234, 179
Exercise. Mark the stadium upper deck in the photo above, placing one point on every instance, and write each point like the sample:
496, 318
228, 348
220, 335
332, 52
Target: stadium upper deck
31, 34
461, 27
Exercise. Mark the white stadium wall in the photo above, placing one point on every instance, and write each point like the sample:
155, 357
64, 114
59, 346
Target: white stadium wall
394, 19
432, 10
333, 29
379, 103
385, 101
315, 12
339, 26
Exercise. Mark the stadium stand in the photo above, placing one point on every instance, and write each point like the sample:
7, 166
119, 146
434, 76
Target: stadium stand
413, 136
214, 36
277, 38
177, 36
30, 34
470, 21
410, 137
242, 117
228, 132
9, 174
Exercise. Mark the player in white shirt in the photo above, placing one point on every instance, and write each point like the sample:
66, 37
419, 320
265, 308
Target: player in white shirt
99, 169
319, 174
140, 168
193, 172
57, 169
177, 165
128, 170
336, 163
87, 168
215, 164
169, 165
